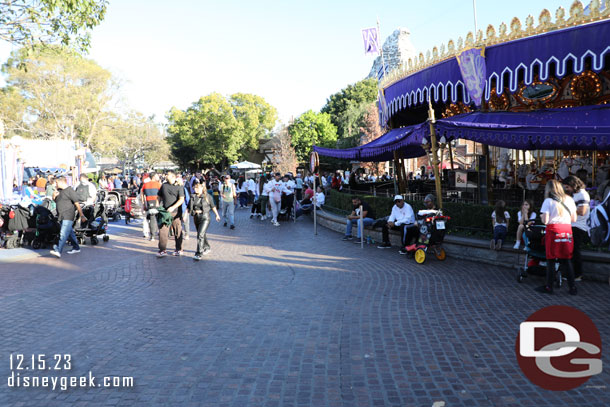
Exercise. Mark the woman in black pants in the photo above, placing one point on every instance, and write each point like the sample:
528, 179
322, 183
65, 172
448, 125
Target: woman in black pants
200, 205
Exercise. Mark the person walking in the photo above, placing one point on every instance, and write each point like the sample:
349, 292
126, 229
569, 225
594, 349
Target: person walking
171, 197
66, 200
275, 189
149, 196
558, 212
186, 220
228, 196
263, 196
200, 205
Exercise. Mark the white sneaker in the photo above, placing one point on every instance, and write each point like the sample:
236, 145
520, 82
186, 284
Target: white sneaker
56, 253
73, 251
276, 224
517, 245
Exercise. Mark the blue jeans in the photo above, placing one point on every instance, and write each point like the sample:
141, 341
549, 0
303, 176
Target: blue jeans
66, 233
500, 233
228, 212
350, 222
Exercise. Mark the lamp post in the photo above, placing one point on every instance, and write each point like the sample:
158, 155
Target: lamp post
432, 150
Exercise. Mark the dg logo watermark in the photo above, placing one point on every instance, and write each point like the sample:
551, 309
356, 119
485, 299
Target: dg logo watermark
559, 348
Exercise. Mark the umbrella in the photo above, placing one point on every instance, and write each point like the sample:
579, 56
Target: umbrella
245, 165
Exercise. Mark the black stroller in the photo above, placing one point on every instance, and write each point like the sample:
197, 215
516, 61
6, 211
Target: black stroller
47, 228
17, 227
94, 225
535, 254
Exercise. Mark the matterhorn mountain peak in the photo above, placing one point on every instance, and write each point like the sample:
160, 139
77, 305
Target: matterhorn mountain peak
397, 49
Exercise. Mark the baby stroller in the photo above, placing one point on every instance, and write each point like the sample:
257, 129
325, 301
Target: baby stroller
535, 254
17, 228
432, 226
95, 224
112, 203
47, 228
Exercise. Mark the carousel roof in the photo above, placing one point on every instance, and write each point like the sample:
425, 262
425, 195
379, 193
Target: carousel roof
549, 49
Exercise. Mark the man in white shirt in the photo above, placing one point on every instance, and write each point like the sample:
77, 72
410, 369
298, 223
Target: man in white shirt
402, 218
574, 187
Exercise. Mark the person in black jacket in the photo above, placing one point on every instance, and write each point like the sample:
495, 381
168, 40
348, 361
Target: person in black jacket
200, 205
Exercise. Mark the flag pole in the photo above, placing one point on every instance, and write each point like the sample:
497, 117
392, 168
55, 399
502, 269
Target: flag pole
380, 48
474, 8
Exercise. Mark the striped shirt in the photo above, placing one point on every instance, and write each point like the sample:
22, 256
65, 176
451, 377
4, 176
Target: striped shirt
150, 190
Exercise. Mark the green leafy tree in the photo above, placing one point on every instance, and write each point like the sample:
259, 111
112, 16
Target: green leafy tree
60, 94
348, 106
218, 130
312, 128
66, 22
133, 140
206, 133
255, 115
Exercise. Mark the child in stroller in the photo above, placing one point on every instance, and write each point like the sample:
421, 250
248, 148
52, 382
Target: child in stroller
432, 225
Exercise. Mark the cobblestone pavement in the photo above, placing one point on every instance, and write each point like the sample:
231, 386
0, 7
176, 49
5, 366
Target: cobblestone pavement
276, 317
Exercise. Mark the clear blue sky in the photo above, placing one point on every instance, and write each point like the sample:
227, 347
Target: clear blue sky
293, 53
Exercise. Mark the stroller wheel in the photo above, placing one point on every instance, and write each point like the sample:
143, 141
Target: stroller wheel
36, 244
81, 240
106, 238
520, 278
420, 256
440, 254
94, 241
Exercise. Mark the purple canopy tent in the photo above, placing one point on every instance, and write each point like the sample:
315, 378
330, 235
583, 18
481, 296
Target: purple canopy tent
578, 128
405, 139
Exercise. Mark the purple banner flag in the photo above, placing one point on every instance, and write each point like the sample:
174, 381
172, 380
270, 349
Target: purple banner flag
474, 72
370, 36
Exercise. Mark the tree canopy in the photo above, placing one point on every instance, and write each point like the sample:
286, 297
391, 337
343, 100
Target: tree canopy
348, 107
66, 22
219, 130
56, 92
312, 128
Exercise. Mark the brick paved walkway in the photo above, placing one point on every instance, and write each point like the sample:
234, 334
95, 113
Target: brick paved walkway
275, 317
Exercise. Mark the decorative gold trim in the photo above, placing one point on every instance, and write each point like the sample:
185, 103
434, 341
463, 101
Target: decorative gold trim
545, 24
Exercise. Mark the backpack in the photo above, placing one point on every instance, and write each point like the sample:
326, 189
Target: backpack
599, 223
82, 191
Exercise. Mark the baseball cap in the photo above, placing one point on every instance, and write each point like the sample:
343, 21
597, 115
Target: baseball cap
397, 197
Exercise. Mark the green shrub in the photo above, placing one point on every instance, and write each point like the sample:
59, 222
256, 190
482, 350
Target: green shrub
466, 219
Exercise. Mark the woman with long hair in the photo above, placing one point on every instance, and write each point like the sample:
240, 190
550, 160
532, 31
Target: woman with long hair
525, 216
499, 219
557, 213
263, 196
200, 205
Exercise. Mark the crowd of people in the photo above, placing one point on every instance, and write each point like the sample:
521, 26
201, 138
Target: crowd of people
169, 200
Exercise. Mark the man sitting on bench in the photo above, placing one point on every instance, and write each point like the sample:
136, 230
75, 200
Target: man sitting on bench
402, 218
368, 218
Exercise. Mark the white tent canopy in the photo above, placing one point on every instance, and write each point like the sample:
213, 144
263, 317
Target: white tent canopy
245, 165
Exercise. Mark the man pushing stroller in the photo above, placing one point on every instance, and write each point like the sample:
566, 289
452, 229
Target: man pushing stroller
66, 200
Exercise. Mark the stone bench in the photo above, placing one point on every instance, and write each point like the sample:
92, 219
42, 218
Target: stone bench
595, 264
